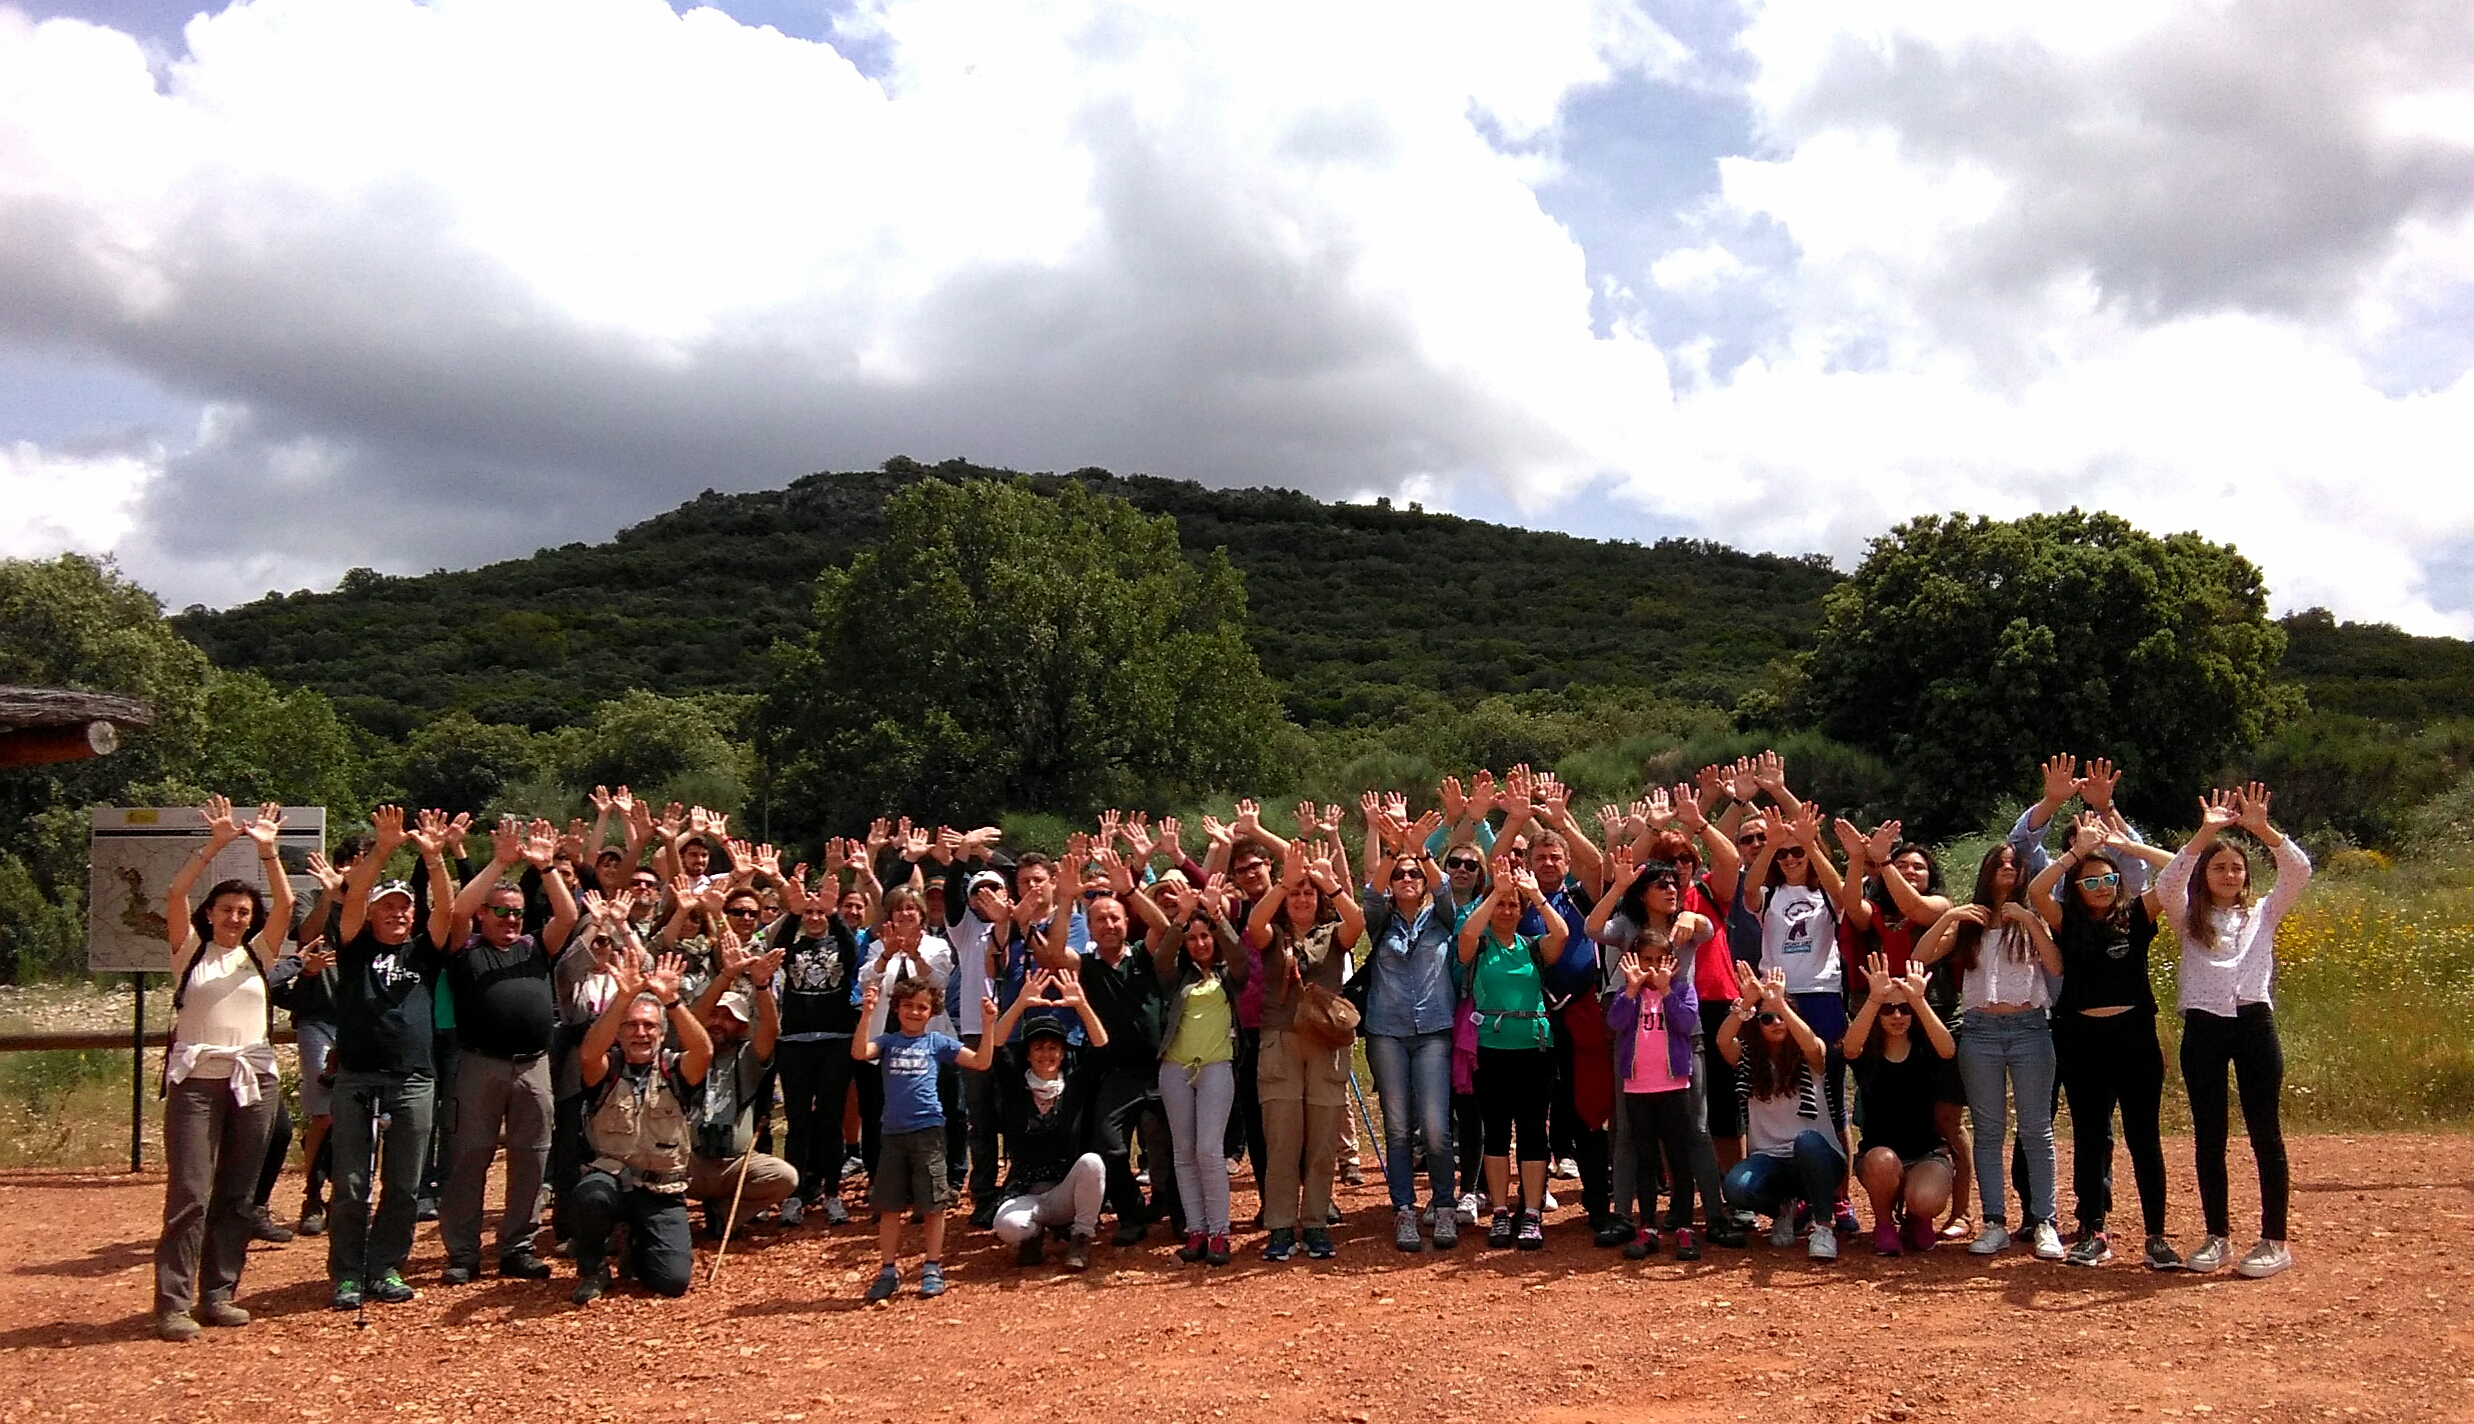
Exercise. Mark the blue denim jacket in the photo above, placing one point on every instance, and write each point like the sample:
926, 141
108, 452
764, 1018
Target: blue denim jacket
1411, 991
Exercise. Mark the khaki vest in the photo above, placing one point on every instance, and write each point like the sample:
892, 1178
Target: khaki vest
639, 1130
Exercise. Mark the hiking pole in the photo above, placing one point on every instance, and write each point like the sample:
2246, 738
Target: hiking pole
379, 1121
1374, 1139
747, 1159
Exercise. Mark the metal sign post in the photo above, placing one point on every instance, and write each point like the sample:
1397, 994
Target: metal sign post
137, 1078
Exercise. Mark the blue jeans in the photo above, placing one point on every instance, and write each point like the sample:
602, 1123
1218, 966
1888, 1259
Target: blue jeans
1769, 1184
1413, 1076
2007, 1058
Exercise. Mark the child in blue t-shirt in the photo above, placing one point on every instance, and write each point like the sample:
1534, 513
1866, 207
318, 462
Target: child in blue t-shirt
910, 1157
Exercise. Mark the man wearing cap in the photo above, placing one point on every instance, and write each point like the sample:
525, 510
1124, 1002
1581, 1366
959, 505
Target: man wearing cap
743, 1020
505, 1013
978, 919
382, 984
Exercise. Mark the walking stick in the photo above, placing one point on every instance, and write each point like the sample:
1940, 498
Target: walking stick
746, 1160
1374, 1139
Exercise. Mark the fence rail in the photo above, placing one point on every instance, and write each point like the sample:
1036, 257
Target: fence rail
109, 1038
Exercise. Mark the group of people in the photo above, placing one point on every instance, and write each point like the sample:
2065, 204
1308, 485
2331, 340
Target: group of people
1671, 1007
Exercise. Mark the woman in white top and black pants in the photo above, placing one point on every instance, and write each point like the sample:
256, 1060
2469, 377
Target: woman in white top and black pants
2228, 1012
219, 1076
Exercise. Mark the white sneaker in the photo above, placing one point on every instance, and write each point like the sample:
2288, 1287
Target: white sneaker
1471, 1207
1992, 1241
2047, 1241
1564, 1169
2266, 1259
1824, 1243
2209, 1257
1782, 1228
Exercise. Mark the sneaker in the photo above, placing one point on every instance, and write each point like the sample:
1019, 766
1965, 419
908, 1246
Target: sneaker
425, 1209
1886, 1239
2091, 1249
1550, 1204
1030, 1252
459, 1273
313, 1219
2161, 1256
221, 1313
1078, 1252
2046, 1241
1447, 1229
1282, 1244
1612, 1232
2209, 1257
523, 1266
793, 1211
1499, 1233
1564, 1169
1782, 1228
264, 1227
2264, 1260
347, 1295
1686, 1247
1404, 1230
589, 1287
1129, 1233
1727, 1234
888, 1280
391, 1289
1195, 1245
853, 1166
1532, 1235
1215, 1252
175, 1325
1470, 1205
931, 1281
1823, 1246
1334, 1216
1992, 1241
836, 1214
1642, 1246
1319, 1244
1918, 1234
1353, 1176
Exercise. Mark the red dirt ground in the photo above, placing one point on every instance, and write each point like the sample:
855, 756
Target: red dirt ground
2371, 1324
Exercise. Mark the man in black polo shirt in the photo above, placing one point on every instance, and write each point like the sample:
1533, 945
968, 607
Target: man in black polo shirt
1124, 992
504, 1014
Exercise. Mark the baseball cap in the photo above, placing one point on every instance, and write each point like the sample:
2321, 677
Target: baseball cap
1043, 1027
390, 887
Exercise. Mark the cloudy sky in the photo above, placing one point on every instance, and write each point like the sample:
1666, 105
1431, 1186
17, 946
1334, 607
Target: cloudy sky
305, 284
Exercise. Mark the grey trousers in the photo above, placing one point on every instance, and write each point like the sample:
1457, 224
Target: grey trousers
490, 1092
1075, 1201
362, 1245
213, 1148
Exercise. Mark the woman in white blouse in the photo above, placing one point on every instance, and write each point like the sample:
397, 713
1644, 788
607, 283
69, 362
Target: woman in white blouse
2004, 955
219, 1075
2228, 1015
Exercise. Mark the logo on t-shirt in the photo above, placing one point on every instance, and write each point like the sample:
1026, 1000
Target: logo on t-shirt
1799, 915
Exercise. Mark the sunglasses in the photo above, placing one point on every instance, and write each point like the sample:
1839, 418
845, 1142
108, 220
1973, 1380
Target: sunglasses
1791, 853
2099, 882
1748, 842
1249, 867
1408, 872
1471, 866
1896, 1009
1664, 882
644, 884
743, 912
1765, 1018
504, 912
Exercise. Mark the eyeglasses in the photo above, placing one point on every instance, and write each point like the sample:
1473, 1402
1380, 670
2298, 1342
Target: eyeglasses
1408, 872
1249, 866
644, 884
1471, 866
2100, 882
504, 912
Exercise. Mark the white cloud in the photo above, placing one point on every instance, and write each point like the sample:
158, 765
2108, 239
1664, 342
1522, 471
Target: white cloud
58, 502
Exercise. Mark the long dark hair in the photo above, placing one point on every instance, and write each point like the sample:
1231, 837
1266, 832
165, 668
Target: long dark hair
1877, 890
1772, 1066
1968, 943
200, 921
2116, 916
2197, 930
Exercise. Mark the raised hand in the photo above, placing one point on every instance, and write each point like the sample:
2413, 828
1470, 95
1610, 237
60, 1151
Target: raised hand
1138, 842
1396, 808
2254, 804
1877, 977
1660, 973
949, 844
571, 843
540, 845
2219, 809
699, 820
1622, 870
1747, 983
915, 842
457, 825
328, 877
1112, 825
1709, 783
1418, 834
1853, 842
1611, 824
880, 835
1518, 789
1172, 839
673, 821
2087, 832
221, 829
1774, 990
1913, 983
386, 825
507, 841
1216, 831
1067, 985
2096, 782
1483, 795
1659, 811
1635, 976
1453, 800
1884, 841
667, 973
624, 800
1742, 783
316, 958
1249, 817
730, 958
268, 825
429, 832
601, 801
769, 862
1120, 875
763, 967
1688, 809
1214, 896
1306, 823
2061, 780
1552, 794
1769, 771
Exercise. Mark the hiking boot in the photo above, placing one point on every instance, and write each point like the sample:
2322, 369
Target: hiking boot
1405, 1235
931, 1280
313, 1219
1642, 1246
1782, 1228
1353, 1175
792, 1211
1499, 1234
523, 1266
1215, 1252
888, 1280
1447, 1229
2210, 1256
1318, 1244
175, 1325
1886, 1240
1030, 1252
347, 1295
1824, 1243
836, 1214
1195, 1245
1612, 1232
1129, 1233
590, 1286
1282, 1243
2091, 1249
1686, 1248
2265, 1259
391, 1290
1078, 1252
264, 1227
425, 1209
2161, 1256
1992, 1241
2045, 1241
459, 1273
220, 1312
1532, 1235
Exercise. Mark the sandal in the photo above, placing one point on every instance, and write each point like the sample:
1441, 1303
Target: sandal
1959, 1229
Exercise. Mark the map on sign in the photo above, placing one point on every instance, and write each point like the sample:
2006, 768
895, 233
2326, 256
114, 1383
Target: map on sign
133, 855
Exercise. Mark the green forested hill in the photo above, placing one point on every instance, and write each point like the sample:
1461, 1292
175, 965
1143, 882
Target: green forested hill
1351, 605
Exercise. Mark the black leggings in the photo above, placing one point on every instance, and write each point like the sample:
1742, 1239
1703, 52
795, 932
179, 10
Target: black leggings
1653, 1121
816, 1076
1514, 1085
1469, 1142
2247, 1041
2107, 1063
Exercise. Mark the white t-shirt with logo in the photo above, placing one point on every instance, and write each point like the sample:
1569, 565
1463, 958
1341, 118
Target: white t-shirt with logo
1799, 934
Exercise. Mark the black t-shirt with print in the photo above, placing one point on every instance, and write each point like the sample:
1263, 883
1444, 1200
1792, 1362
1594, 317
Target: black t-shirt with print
384, 1009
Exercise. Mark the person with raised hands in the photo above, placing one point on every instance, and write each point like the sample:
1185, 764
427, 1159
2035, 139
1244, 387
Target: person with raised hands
2226, 988
220, 1082
2104, 1027
2006, 961
1792, 1163
1897, 1045
1117, 975
1194, 952
640, 1096
500, 982
583, 983
1791, 886
1303, 935
910, 1169
1516, 1044
1409, 1011
1045, 1090
821, 960
743, 1019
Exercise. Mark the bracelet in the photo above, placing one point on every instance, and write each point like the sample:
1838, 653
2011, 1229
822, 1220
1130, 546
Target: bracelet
668, 1004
